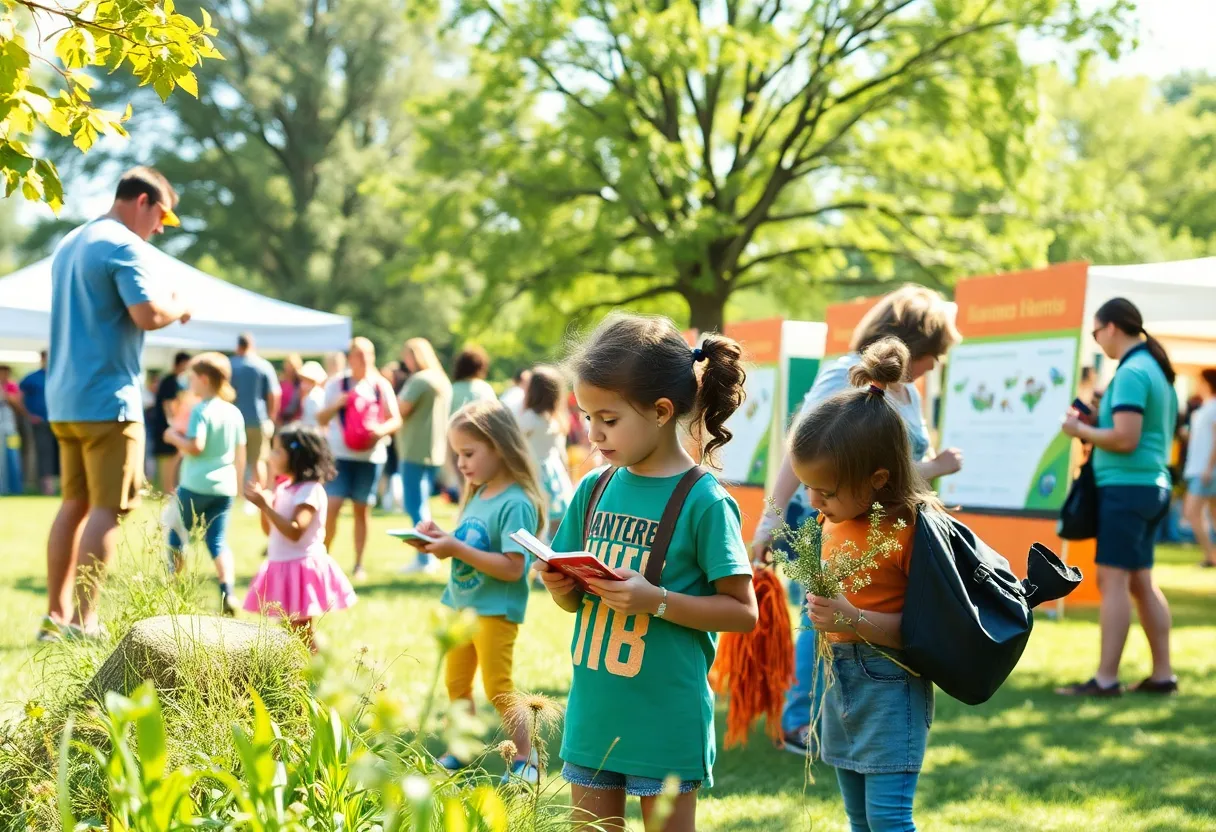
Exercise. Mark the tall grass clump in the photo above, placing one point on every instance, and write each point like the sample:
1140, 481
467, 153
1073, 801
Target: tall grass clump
198, 713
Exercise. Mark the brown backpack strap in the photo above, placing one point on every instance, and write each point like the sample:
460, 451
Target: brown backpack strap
667, 524
596, 492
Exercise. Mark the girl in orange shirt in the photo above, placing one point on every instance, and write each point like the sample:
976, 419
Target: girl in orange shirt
851, 452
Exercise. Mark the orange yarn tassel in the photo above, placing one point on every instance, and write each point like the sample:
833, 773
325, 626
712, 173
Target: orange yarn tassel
756, 669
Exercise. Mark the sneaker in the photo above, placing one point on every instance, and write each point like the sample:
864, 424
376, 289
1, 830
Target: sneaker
1150, 685
1091, 688
359, 575
450, 764
419, 568
49, 630
228, 605
797, 741
526, 770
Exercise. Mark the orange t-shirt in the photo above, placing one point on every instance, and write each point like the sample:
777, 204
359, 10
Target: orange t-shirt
888, 581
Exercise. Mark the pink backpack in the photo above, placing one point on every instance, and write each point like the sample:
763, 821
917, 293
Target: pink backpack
360, 417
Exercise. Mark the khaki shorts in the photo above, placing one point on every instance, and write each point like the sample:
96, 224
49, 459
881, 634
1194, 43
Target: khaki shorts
101, 462
257, 445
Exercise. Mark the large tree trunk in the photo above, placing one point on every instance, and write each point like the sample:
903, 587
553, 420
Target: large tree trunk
707, 310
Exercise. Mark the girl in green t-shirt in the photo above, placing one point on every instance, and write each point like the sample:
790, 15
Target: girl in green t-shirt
502, 494
640, 708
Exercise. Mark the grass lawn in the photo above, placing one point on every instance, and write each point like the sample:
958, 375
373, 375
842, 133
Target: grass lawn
1026, 760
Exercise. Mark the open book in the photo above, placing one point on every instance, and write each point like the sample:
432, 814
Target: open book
578, 565
411, 534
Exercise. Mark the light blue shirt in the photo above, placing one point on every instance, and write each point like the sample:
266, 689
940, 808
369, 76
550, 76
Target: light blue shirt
219, 426
98, 271
253, 378
486, 525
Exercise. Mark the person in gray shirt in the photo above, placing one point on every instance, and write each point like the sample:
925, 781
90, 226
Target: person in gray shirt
257, 397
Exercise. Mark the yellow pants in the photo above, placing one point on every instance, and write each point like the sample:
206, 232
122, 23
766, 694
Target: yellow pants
493, 648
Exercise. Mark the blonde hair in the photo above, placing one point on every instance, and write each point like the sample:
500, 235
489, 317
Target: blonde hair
217, 369
492, 423
921, 318
423, 354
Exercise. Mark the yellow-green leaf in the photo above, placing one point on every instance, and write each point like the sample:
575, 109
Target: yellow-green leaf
189, 83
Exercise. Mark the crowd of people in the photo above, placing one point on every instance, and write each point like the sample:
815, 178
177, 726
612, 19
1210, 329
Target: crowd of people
300, 443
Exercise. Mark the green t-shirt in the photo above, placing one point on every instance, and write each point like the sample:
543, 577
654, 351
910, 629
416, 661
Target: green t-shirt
221, 428
471, 390
424, 437
1139, 386
640, 701
485, 525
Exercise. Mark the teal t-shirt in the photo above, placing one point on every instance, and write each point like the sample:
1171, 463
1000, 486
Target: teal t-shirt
640, 701
221, 429
1139, 386
485, 524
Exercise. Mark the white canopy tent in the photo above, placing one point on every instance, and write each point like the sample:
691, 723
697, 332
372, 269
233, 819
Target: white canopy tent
220, 312
1177, 300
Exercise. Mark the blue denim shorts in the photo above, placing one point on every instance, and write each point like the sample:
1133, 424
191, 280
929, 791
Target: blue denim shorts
1195, 486
355, 481
633, 785
1128, 517
876, 715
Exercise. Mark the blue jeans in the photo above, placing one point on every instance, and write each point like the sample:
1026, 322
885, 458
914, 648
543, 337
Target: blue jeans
11, 477
878, 802
417, 485
808, 678
211, 513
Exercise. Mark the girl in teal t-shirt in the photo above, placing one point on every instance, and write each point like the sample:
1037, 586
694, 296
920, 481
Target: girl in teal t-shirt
640, 707
213, 450
502, 494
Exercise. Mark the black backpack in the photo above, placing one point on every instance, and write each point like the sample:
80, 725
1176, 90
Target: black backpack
967, 617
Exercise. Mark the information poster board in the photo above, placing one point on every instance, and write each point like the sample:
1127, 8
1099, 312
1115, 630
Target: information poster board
745, 459
1008, 386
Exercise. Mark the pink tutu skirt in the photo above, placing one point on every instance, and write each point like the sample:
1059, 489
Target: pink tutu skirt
303, 588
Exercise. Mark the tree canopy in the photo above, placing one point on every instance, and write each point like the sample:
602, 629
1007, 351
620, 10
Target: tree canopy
616, 152
293, 161
148, 39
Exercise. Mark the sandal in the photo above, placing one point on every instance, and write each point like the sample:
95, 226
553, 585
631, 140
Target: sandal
1091, 688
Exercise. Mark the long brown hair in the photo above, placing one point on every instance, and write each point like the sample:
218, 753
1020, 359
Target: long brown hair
644, 358
492, 423
859, 431
1127, 318
916, 315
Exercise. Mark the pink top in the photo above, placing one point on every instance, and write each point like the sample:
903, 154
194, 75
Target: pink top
286, 497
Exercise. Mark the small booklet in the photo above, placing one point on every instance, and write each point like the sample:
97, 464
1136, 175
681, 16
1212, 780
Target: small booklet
411, 534
578, 565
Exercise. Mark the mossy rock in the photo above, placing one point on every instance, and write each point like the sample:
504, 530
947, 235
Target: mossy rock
198, 651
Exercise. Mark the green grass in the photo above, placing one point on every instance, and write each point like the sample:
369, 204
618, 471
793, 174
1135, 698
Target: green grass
1026, 760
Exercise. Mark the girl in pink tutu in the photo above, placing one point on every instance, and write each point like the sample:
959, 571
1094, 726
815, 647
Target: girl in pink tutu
298, 580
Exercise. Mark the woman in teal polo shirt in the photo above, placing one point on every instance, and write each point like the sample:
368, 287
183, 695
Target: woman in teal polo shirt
1131, 443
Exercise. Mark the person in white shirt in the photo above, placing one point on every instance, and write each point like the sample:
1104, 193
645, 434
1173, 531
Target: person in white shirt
312, 392
513, 397
1200, 469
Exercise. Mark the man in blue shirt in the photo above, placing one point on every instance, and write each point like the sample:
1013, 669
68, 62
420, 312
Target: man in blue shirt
46, 449
257, 397
101, 305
